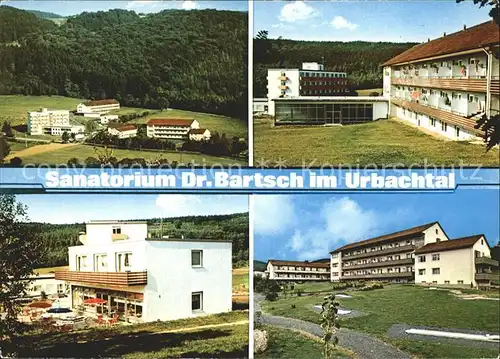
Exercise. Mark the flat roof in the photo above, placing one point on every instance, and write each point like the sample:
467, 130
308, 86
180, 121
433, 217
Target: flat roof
189, 240
332, 98
260, 99
105, 221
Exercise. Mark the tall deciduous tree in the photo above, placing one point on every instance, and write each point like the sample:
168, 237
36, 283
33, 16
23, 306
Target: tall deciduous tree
20, 251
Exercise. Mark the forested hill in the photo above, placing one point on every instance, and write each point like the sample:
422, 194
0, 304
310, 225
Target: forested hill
360, 59
58, 237
193, 60
46, 15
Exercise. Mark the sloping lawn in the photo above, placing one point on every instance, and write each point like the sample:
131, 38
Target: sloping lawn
382, 143
146, 340
404, 304
289, 344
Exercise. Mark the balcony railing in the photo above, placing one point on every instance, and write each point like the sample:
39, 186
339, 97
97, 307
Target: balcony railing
487, 261
461, 84
105, 278
379, 275
380, 264
487, 276
380, 252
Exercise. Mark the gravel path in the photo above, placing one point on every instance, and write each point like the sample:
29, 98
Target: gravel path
353, 314
363, 345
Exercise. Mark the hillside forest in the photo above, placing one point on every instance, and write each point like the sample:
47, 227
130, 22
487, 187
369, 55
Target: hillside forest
191, 60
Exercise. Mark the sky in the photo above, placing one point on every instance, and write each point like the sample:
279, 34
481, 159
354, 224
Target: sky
308, 227
72, 7
65, 208
369, 20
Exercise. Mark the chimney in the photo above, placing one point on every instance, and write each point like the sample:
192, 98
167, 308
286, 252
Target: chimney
444, 33
428, 39
465, 27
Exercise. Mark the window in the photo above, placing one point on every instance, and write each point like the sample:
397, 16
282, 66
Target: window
421, 272
446, 282
335, 265
433, 122
435, 271
457, 131
434, 282
471, 98
197, 301
438, 240
117, 230
421, 259
435, 257
197, 258
335, 274
81, 262
460, 281
123, 261
444, 126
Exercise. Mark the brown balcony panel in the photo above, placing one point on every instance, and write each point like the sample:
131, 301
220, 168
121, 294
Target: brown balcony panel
379, 276
380, 264
443, 115
486, 261
380, 252
473, 85
283, 78
487, 276
107, 278
495, 87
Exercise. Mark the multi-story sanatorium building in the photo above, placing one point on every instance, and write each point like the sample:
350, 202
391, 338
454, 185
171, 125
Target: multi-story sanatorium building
45, 122
311, 80
172, 128
446, 84
123, 130
93, 107
423, 255
145, 279
293, 271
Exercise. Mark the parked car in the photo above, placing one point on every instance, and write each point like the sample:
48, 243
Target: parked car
57, 313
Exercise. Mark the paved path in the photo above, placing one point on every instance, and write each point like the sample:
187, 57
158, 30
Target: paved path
363, 345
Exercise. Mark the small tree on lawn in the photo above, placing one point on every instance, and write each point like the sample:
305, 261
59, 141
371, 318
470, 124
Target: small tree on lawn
329, 323
7, 129
20, 251
65, 137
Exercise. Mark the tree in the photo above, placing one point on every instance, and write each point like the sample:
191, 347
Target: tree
73, 162
20, 251
495, 8
7, 129
16, 161
329, 323
65, 137
4, 148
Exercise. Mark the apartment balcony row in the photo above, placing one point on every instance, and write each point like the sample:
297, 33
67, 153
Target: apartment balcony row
379, 276
398, 249
299, 271
388, 263
297, 278
486, 261
487, 276
459, 84
442, 115
122, 279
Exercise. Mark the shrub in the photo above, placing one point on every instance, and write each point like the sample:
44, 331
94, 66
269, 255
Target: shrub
293, 306
299, 292
271, 296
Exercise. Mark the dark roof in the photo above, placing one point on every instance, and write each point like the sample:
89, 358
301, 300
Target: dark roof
101, 102
459, 243
297, 263
198, 131
386, 237
472, 38
170, 121
121, 128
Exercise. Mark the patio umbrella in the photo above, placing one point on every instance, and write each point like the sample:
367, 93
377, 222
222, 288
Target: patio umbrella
41, 305
92, 301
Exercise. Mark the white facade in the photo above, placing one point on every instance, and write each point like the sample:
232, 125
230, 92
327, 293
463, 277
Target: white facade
38, 121
201, 134
260, 106
171, 129
99, 106
293, 271
106, 118
123, 132
47, 284
185, 277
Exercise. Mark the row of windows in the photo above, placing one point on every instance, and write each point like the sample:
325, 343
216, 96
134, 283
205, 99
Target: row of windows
435, 257
324, 113
323, 91
322, 83
323, 74
382, 247
435, 271
456, 62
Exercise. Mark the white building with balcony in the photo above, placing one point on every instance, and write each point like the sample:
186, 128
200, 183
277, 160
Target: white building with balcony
295, 271
100, 107
171, 128
447, 84
144, 279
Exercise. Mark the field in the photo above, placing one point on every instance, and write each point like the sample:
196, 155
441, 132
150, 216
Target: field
224, 335
61, 156
289, 344
405, 304
383, 143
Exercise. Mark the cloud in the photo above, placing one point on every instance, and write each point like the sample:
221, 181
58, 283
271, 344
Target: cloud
297, 11
340, 221
175, 205
340, 22
189, 5
272, 214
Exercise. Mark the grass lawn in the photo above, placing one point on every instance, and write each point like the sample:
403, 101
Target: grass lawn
289, 344
240, 279
146, 340
83, 151
48, 270
15, 107
399, 304
215, 123
17, 146
378, 143
312, 287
